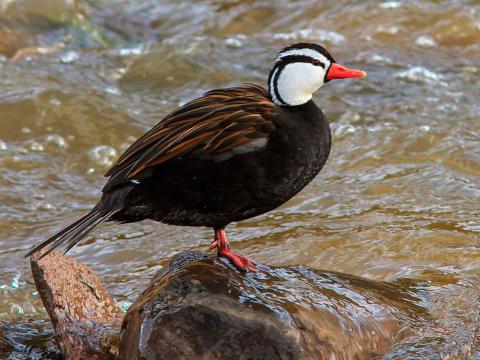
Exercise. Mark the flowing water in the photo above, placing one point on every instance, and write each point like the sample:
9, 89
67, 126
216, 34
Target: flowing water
397, 202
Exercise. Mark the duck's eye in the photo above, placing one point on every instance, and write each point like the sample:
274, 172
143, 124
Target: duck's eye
317, 63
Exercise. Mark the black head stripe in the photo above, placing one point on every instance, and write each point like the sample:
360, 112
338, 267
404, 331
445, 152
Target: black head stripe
319, 48
299, 58
275, 83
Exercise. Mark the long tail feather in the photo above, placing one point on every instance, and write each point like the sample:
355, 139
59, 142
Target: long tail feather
73, 233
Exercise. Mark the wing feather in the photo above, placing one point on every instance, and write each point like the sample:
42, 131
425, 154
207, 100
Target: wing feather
212, 125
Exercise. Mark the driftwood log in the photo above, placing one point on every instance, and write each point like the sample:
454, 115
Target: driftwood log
85, 318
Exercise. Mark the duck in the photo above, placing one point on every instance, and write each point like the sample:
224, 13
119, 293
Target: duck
232, 154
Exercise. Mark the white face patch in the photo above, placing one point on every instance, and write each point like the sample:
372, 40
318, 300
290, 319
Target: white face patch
295, 82
298, 81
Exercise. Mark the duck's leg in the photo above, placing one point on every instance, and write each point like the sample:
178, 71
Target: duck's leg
221, 243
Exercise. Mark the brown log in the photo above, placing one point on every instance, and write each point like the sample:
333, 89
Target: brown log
85, 318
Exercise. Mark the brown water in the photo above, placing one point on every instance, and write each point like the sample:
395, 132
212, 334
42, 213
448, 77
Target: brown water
398, 200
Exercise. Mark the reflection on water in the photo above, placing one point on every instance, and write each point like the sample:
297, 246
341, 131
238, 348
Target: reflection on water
396, 202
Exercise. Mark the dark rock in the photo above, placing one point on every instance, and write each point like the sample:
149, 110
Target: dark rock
200, 307
5, 347
85, 318
28, 339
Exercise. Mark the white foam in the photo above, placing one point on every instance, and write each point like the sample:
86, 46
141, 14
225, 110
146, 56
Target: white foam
130, 51
420, 74
317, 35
103, 155
370, 58
390, 5
389, 30
425, 41
69, 57
233, 42
56, 140
35, 146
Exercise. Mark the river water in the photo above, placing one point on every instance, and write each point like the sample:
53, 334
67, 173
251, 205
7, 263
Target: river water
397, 202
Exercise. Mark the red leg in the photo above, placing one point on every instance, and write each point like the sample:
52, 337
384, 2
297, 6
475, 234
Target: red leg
221, 243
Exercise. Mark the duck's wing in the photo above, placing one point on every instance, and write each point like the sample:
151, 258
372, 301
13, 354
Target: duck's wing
220, 124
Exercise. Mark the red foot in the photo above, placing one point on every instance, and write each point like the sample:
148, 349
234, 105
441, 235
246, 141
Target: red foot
240, 261
221, 243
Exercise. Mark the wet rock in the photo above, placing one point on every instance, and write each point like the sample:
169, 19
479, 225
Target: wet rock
5, 347
84, 316
200, 307
24, 340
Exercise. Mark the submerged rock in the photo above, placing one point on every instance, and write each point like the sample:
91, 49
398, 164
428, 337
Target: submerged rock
200, 307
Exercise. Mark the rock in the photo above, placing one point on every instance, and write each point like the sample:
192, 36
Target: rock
22, 340
200, 307
85, 318
5, 347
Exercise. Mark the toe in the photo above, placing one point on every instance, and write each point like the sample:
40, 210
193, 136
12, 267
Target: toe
239, 261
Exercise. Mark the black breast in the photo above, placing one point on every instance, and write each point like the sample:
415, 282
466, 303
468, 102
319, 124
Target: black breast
194, 191
300, 149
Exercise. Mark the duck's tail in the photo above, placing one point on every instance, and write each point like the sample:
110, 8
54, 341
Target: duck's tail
73, 233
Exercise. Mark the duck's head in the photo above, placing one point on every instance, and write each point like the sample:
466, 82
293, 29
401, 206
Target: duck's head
301, 69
